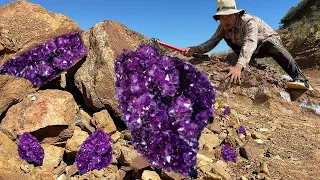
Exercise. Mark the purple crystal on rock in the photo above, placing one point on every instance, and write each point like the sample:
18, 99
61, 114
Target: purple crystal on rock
228, 153
29, 149
44, 62
166, 103
226, 111
94, 153
242, 130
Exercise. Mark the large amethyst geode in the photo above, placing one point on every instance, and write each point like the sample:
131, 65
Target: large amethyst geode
29, 149
166, 103
46, 61
94, 153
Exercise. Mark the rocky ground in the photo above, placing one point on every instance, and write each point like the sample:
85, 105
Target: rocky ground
282, 139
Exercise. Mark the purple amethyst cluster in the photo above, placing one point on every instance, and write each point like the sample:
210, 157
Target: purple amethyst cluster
46, 61
29, 149
94, 153
166, 103
228, 153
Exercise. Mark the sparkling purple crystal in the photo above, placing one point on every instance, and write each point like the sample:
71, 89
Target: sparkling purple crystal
226, 111
46, 61
29, 149
166, 103
242, 130
228, 153
94, 153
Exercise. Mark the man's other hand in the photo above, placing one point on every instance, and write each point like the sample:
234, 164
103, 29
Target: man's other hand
234, 74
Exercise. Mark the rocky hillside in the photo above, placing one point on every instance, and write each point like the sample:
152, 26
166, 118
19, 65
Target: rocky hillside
279, 136
301, 32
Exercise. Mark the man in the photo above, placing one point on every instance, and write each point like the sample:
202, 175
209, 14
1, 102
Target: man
249, 37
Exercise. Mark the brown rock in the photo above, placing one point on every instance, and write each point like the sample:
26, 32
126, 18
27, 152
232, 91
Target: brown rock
127, 155
62, 177
261, 176
54, 135
45, 108
71, 170
126, 168
150, 175
217, 168
115, 136
206, 168
203, 160
98, 173
46, 176
264, 168
209, 154
103, 120
257, 135
139, 163
120, 174
9, 132
52, 157
6, 174
12, 90
209, 141
110, 171
83, 120
116, 149
171, 175
74, 143
211, 176
250, 151
60, 169
215, 127
107, 40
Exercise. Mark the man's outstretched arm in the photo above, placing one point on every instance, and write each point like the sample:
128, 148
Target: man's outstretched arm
208, 45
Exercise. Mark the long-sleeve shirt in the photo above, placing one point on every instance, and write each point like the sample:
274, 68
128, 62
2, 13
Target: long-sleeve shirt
248, 32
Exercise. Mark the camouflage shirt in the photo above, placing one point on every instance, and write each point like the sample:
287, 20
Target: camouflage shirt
248, 32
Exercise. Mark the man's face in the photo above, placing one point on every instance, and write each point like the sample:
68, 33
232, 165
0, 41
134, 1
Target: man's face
228, 21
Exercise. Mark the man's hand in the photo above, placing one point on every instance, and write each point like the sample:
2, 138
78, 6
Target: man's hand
189, 51
234, 74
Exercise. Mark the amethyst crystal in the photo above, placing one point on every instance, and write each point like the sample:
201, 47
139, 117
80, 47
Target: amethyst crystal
46, 61
242, 130
29, 149
228, 153
226, 111
94, 153
166, 103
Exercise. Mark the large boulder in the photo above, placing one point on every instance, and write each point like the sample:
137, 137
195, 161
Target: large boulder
95, 79
46, 111
24, 25
12, 90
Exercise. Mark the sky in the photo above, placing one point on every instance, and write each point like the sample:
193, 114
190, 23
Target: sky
180, 23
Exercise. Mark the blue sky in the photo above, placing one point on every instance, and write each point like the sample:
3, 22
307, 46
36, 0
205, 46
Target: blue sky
180, 23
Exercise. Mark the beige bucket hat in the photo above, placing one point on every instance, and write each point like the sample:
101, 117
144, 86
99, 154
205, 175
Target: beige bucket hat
226, 7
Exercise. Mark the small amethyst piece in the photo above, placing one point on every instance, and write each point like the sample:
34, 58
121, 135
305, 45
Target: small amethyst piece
226, 111
94, 153
242, 130
228, 153
29, 149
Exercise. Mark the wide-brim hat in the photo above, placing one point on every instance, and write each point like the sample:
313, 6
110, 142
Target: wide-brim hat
226, 7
